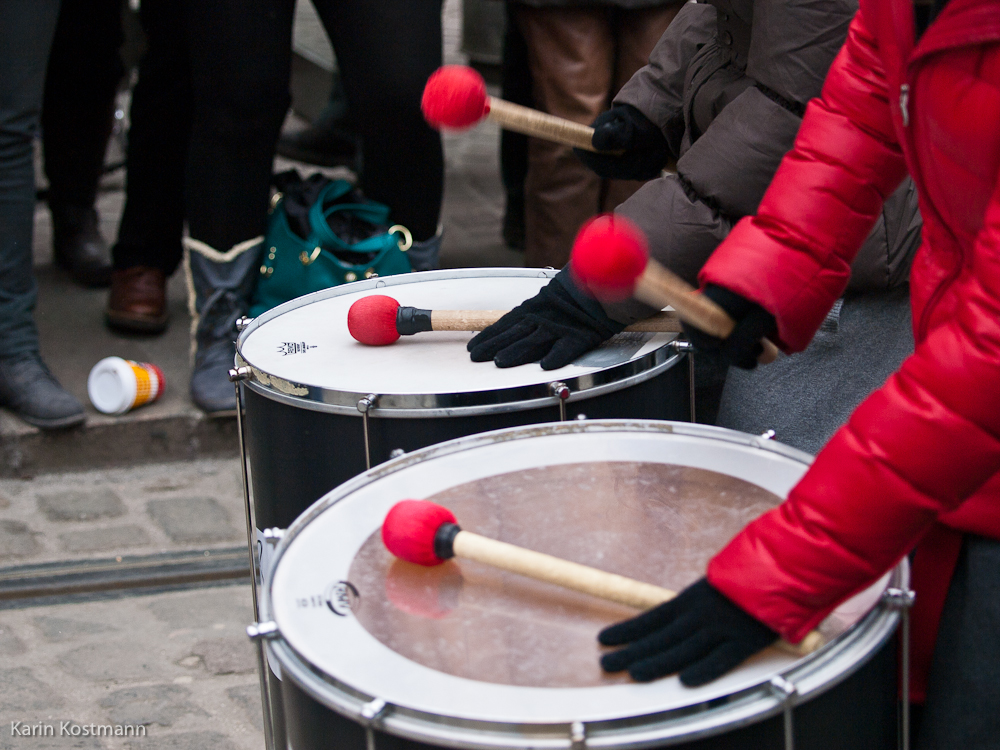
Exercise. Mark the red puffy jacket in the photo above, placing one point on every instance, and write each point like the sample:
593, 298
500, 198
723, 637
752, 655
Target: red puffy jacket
919, 460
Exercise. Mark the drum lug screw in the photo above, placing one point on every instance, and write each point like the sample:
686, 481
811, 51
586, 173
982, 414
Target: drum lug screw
262, 631
243, 322
372, 711
682, 346
899, 598
396, 453
273, 536
561, 391
239, 373
581, 417
578, 735
769, 435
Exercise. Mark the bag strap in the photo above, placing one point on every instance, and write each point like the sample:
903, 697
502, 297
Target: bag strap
317, 222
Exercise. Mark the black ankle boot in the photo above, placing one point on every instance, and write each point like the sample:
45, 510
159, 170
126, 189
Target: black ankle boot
78, 246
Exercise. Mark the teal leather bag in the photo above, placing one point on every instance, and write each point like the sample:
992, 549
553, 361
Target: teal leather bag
294, 266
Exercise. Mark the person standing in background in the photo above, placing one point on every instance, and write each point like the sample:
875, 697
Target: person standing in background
26, 386
580, 55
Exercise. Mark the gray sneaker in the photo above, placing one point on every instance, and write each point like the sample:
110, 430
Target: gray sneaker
29, 390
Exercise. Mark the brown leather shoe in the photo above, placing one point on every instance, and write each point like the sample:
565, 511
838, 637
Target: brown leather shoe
138, 300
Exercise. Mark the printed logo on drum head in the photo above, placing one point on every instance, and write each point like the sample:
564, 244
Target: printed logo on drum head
341, 597
294, 347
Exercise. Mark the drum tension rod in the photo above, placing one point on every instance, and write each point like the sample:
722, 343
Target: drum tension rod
902, 599
682, 346
258, 633
578, 735
364, 405
371, 713
785, 691
561, 391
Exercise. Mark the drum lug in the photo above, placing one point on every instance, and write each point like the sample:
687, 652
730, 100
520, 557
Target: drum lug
682, 346
902, 599
239, 373
371, 712
273, 535
785, 691
242, 323
577, 735
561, 391
364, 406
262, 631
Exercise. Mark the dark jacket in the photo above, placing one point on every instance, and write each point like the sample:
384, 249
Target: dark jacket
727, 84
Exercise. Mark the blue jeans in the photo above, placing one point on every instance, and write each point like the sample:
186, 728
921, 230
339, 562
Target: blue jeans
26, 28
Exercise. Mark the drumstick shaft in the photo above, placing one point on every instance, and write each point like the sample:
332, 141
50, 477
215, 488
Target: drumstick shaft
539, 124
477, 320
583, 578
659, 286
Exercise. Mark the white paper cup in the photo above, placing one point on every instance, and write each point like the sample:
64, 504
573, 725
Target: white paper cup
117, 385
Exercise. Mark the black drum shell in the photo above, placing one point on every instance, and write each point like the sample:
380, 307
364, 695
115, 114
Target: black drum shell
859, 713
297, 455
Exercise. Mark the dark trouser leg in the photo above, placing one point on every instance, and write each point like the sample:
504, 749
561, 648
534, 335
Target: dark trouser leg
26, 28
386, 50
963, 694
571, 52
515, 87
83, 74
153, 220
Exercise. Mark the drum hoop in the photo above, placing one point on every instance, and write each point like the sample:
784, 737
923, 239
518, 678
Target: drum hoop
812, 676
468, 403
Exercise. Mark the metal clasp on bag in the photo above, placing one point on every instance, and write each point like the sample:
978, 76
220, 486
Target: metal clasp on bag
306, 258
407, 241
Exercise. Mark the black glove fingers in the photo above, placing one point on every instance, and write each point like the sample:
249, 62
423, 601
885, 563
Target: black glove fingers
689, 651
526, 349
639, 626
565, 350
716, 663
663, 640
488, 348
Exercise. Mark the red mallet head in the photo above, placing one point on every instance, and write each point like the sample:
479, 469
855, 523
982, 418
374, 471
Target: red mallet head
372, 320
609, 255
410, 527
454, 97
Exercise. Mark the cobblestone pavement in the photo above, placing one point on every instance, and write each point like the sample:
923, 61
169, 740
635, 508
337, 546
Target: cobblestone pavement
177, 663
140, 510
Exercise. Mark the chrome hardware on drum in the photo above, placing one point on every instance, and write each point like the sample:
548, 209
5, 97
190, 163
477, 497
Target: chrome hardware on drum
321, 407
379, 653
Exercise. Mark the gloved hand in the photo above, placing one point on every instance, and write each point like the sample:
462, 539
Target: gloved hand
700, 634
555, 326
753, 323
624, 128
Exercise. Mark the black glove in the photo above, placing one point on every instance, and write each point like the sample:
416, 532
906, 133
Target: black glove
700, 634
624, 128
753, 323
556, 326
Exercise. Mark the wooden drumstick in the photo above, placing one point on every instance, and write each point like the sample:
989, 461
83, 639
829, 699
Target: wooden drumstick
425, 533
611, 259
455, 97
378, 320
